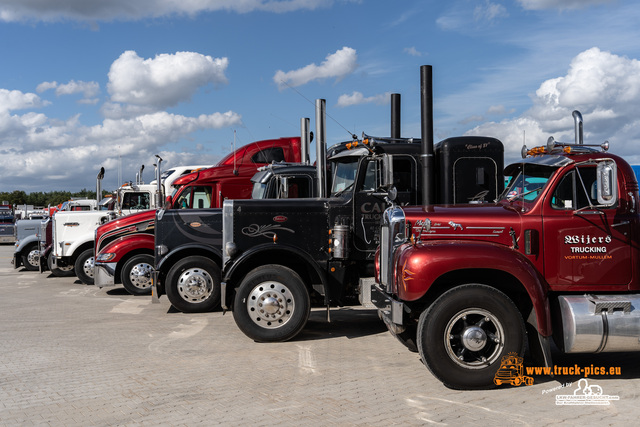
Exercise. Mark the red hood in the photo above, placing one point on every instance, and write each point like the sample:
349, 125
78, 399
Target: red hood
487, 222
125, 221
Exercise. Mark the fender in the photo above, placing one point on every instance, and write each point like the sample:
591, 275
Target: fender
72, 249
418, 274
123, 245
26, 241
200, 248
234, 266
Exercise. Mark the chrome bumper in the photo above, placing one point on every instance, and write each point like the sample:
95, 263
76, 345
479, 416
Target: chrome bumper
389, 309
104, 274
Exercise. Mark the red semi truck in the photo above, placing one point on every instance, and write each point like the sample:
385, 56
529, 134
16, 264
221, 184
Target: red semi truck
125, 247
555, 257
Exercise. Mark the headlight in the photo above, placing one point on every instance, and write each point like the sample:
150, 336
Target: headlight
105, 257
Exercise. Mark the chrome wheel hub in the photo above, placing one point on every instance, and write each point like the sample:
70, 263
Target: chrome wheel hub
87, 267
474, 338
140, 275
195, 285
33, 258
270, 305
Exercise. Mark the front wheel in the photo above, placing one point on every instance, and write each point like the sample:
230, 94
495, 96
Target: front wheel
84, 267
137, 274
60, 271
193, 285
465, 333
31, 257
271, 304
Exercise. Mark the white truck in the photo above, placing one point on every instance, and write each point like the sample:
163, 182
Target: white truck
73, 233
27, 252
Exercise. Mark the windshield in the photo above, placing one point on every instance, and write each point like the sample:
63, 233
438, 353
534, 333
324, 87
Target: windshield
259, 191
344, 176
164, 175
527, 183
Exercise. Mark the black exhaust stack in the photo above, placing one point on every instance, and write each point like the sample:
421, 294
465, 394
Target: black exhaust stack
395, 116
426, 114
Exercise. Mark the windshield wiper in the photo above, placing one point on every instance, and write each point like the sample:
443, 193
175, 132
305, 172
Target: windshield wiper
341, 192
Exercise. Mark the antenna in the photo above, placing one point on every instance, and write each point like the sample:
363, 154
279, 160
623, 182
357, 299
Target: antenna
235, 168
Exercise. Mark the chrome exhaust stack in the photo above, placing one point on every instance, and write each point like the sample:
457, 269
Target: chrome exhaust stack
159, 195
321, 146
305, 140
99, 187
577, 119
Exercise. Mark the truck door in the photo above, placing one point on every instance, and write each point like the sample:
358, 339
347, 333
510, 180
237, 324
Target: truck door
584, 244
368, 209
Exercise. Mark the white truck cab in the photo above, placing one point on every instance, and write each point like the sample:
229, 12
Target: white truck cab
73, 233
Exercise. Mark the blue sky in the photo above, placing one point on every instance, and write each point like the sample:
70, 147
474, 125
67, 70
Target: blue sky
89, 84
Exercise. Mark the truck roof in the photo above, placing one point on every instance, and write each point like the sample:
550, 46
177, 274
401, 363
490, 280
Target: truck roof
266, 172
246, 158
247, 153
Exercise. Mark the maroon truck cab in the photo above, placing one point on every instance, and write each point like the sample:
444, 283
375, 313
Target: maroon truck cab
124, 247
556, 257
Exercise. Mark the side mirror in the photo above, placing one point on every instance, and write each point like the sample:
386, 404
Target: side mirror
283, 187
387, 170
607, 179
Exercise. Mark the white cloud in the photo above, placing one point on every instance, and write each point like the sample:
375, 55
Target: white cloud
412, 51
66, 152
357, 98
603, 86
101, 11
88, 90
559, 4
164, 81
338, 65
489, 12
16, 100
45, 86
463, 17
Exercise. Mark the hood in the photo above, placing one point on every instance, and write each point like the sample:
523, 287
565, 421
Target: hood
486, 222
126, 221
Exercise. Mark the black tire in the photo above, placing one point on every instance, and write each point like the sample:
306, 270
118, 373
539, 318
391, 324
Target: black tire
193, 285
31, 257
137, 274
84, 266
66, 271
288, 306
465, 325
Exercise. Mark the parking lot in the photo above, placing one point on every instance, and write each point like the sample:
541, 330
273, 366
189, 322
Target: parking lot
76, 355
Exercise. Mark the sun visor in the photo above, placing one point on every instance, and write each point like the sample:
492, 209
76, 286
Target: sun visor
358, 152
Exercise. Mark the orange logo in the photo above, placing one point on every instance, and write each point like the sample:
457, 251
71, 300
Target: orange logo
511, 371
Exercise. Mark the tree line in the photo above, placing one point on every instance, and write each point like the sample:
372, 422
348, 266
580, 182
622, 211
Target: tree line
39, 198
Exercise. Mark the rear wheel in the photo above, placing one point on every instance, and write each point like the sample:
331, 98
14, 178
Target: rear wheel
272, 304
193, 285
464, 334
137, 274
60, 271
31, 257
84, 267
